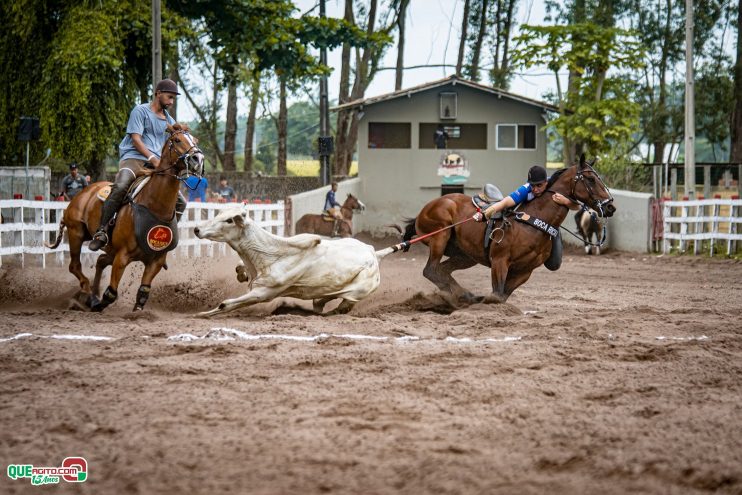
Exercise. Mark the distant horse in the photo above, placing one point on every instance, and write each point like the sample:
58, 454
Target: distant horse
521, 249
323, 225
179, 154
590, 225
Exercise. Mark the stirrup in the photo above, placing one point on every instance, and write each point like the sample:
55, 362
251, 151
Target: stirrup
100, 240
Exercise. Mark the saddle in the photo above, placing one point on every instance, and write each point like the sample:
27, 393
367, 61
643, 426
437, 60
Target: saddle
328, 218
134, 189
490, 194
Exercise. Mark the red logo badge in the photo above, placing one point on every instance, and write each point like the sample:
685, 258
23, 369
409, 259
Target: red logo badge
159, 238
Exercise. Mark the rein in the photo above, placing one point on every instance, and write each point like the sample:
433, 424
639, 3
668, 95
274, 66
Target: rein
185, 157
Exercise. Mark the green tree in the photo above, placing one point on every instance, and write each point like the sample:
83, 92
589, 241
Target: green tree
597, 112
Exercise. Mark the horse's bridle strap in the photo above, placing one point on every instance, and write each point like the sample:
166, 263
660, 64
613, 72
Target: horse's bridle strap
537, 223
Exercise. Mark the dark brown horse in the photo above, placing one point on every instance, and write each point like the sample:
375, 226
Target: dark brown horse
522, 248
180, 155
317, 224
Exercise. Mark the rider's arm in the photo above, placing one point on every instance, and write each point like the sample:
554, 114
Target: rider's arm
564, 201
506, 202
141, 148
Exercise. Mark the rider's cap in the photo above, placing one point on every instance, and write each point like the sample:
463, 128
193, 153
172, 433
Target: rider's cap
73, 165
167, 86
536, 175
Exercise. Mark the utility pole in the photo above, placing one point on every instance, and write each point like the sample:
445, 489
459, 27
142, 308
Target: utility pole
325, 144
690, 120
156, 44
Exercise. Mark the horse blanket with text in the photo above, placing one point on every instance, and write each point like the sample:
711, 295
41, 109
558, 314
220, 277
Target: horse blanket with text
555, 257
154, 236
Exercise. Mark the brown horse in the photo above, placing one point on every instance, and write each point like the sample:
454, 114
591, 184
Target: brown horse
316, 224
180, 156
521, 247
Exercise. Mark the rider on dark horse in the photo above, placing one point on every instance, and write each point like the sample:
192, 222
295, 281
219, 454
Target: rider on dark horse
140, 149
535, 187
332, 208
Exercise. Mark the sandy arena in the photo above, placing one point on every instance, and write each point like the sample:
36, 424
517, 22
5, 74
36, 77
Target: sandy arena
617, 374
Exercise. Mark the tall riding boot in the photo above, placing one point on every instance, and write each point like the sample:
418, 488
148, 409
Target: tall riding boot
180, 206
109, 209
335, 226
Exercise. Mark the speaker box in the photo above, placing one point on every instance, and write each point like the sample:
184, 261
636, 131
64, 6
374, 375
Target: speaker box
325, 146
29, 129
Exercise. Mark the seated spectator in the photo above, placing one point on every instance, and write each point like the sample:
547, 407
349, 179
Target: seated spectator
225, 191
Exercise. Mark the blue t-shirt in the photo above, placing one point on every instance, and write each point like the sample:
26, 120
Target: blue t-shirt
330, 201
522, 194
200, 188
145, 122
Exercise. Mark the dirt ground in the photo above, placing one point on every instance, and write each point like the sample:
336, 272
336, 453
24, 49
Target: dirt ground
617, 374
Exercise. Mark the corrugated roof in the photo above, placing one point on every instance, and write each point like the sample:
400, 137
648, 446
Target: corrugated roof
442, 82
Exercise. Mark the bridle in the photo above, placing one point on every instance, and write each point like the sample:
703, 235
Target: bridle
186, 157
597, 204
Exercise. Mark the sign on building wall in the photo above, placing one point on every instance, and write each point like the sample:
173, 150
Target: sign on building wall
453, 168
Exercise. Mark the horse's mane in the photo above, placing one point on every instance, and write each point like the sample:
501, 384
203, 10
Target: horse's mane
554, 177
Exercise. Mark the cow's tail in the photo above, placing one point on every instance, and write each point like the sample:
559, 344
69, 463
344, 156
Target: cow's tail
408, 233
60, 235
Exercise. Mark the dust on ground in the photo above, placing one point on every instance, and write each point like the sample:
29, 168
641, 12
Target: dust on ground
619, 373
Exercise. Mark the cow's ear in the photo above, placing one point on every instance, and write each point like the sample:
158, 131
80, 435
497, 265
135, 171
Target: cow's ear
239, 221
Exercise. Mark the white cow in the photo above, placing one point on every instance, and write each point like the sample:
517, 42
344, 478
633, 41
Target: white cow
304, 266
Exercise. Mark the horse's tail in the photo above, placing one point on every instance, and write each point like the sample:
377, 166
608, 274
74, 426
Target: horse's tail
409, 231
60, 234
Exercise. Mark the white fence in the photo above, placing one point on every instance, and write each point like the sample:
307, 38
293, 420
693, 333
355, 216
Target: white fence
701, 220
27, 224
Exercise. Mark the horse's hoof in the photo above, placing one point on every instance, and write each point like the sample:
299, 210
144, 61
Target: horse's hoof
138, 308
92, 301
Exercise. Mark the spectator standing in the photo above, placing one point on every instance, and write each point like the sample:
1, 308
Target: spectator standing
73, 183
440, 137
196, 188
225, 191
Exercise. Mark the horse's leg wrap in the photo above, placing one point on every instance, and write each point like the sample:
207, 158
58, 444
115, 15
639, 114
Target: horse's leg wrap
109, 296
180, 206
142, 296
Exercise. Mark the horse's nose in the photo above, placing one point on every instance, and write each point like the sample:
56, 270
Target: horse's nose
195, 231
610, 210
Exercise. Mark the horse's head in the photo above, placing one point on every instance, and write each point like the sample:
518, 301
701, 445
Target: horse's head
354, 203
181, 153
590, 190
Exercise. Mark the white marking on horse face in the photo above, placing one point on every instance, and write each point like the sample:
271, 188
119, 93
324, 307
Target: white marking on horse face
360, 204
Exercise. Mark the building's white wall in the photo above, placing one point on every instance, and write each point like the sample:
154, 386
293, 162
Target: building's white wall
397, 183
313, 201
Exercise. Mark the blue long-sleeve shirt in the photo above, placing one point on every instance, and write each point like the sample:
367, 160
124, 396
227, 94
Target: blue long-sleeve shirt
522, 194
330, 201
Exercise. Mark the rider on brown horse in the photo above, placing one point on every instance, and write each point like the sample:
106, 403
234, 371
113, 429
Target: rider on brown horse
332, 208
534, 188
140, 148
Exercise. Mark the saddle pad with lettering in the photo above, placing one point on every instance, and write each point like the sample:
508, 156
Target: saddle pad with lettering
104, 191
153, 235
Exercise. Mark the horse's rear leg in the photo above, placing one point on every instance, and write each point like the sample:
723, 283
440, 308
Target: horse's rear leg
150, 272
432, 270
75, 240
451, 265
120, 261
104, 260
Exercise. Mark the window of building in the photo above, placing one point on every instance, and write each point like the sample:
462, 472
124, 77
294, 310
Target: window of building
449, 105
389, 135
516, 137
460, 136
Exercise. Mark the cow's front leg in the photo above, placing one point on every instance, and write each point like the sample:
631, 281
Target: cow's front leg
255, 296
319, 304
343, 308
